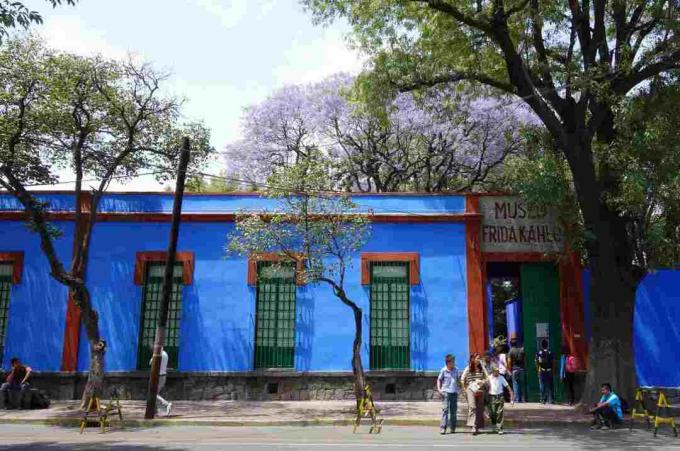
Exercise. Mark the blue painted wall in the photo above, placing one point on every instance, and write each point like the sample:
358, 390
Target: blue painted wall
37, 309
230, 203
656, 333
218, 314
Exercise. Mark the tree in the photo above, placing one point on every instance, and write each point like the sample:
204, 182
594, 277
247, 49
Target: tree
440, 141
14, 13
207, 183
99, 118
321, 232
573, 63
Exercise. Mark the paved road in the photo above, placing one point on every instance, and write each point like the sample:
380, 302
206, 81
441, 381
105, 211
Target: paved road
171, 438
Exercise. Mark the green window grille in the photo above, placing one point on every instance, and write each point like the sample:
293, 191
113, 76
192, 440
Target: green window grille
390, 335
151, 302
275, 316
5, 287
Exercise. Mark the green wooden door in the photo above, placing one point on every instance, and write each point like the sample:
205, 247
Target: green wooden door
541, 305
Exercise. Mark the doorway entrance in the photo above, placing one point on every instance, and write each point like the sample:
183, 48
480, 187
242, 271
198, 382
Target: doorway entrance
523, 301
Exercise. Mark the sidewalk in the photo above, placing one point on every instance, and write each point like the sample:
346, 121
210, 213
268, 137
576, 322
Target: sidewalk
291, 413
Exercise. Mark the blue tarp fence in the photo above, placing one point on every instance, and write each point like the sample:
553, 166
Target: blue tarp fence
656, 328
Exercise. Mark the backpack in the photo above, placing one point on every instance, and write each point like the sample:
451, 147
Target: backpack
625, 407
545, 359
39, 400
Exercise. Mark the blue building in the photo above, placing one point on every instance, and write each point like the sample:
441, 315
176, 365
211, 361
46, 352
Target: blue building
421, 279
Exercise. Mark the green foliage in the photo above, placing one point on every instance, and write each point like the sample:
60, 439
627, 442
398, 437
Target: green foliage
100, 118
15, 14
310, 223
221, 183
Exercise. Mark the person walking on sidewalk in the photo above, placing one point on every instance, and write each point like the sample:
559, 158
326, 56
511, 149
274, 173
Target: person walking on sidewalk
516, 368
162, 379
544, 367
474, 381
497, 383
447, 385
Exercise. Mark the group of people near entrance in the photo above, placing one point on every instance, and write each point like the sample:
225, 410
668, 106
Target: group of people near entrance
491, 380
484, 386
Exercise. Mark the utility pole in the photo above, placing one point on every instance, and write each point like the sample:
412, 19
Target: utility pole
166, 291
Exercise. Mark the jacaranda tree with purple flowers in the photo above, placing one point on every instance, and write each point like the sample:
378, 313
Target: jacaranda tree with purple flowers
445, 140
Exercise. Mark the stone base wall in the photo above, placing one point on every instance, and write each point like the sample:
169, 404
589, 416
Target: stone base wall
256, 386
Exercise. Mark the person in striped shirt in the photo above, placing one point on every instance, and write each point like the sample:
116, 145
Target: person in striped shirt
474, 380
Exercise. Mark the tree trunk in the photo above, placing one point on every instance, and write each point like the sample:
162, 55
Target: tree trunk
357, 366
611, 358
89, 318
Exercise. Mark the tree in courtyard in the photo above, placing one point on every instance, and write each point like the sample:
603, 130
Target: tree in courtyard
15, 14
441, 141
573, 63
309, 226
99, 119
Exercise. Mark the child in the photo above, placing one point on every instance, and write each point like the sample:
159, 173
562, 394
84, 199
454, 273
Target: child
447, 386
496, 385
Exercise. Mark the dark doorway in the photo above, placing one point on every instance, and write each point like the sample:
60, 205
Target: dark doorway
504, 288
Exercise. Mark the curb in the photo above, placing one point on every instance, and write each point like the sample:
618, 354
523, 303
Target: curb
139, 423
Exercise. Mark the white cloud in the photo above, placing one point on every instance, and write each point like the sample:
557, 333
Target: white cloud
309, 61
229, 15
70, 34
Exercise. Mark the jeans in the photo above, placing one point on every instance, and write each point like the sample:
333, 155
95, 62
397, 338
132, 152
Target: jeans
518, 384
605, 416
569, 384
7, 387
449, 410
545, 383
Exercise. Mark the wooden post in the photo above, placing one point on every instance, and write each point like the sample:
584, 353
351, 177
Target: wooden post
167, 283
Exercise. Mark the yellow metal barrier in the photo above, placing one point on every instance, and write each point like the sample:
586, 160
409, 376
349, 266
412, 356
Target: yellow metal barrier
98, 414
367, 409
664, 414
639, 410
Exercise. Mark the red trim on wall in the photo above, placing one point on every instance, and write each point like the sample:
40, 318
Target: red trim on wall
412, 258
17, 261
142, 258
571, 308
274, 257
476, 304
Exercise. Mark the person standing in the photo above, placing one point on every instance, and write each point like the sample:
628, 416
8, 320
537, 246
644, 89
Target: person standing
474, 381
162, 379
568, 365
516, 368
497, 384
447, 385
544, 367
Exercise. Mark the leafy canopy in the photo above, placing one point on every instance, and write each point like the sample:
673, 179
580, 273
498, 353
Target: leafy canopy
309, 223
15, 14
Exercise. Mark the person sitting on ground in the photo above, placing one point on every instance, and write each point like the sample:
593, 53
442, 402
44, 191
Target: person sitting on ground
17, 380
497, 383
608, 412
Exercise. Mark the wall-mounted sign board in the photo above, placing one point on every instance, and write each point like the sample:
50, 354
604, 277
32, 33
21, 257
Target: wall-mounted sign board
511, 225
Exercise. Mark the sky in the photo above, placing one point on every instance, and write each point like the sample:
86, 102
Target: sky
223, 54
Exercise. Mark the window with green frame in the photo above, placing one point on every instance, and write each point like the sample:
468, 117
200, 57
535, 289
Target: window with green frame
6, 270
275, 315
390, 336
151, 302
